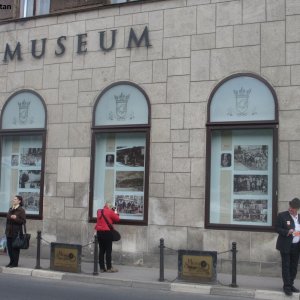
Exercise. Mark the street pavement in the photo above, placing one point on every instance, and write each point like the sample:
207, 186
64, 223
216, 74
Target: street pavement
254, 287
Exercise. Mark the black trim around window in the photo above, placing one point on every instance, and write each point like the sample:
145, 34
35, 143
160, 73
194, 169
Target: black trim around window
143, 128
256, 125
27, 132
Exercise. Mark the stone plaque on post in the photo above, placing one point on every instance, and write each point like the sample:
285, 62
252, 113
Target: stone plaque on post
65, 257
197, 266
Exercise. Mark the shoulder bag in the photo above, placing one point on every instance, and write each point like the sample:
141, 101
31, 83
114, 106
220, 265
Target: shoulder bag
116, 236
22, 240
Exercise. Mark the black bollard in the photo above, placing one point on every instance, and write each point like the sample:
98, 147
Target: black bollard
38, 250
161, 260
95, 255
234, 251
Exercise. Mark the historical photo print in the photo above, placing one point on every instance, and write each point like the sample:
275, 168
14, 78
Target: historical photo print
14, 160
246, 210
109, 160
225, 160
250, 184
130, 204
129, 181
131, 156
29, 179
31, 157
31, 201
251, 157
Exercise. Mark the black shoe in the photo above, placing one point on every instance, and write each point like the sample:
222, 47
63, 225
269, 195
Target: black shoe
8, 266
294, 290
288, 292
12, 266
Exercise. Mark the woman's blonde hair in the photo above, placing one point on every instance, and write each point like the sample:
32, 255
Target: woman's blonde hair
108, 204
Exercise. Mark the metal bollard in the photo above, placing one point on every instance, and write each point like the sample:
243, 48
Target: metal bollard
38, 250
95, 255
161, 260
234, 251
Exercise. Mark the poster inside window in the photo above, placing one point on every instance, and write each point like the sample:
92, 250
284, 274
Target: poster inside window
120, 173
241, 177
21, 166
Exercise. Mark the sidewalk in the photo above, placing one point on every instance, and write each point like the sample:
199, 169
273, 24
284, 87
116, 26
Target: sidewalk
139, 277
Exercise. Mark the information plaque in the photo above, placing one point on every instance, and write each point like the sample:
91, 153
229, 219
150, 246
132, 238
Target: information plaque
65, 257
197, 266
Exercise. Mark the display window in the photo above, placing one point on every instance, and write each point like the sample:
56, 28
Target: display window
120, 158
242, 134
22, 133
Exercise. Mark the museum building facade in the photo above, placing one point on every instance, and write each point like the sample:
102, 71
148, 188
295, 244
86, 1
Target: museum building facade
182, 113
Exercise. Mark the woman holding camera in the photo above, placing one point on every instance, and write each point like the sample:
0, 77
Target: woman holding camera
106, 215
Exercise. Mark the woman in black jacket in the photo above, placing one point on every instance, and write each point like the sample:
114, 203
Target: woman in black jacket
15, 218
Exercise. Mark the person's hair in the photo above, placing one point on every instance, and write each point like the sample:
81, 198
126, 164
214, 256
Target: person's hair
108, 204
20, 199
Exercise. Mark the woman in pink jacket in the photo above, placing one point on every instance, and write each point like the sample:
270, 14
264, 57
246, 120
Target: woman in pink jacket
104, 235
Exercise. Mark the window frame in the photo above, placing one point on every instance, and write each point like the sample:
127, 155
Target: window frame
139, 128
242, 125
27, 132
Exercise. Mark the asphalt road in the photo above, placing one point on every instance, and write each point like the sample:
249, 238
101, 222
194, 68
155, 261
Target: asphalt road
30, 288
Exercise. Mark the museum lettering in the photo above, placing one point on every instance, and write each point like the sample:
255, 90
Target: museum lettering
38, 47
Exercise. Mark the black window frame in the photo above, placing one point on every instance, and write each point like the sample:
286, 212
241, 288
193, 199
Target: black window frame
242, 125
144, 128
27, 132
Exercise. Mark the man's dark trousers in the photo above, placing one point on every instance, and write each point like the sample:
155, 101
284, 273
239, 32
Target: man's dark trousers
290, 265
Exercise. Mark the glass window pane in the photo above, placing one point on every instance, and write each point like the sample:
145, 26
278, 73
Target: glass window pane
26, 8
241, 177
42, 7
122, 105
24, 110
242, 98
21, 165
119, 174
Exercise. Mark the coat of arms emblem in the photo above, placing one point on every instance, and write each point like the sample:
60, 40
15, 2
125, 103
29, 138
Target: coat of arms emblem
242, 98
23, 111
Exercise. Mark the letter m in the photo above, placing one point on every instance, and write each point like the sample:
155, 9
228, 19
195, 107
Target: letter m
132, 37
11, 55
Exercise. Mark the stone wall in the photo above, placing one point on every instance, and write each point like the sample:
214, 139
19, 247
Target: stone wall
195, 44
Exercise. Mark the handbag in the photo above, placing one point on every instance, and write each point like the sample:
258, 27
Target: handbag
116, 236
22, 240
3, 244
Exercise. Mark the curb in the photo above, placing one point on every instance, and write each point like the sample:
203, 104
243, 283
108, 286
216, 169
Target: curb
166, 286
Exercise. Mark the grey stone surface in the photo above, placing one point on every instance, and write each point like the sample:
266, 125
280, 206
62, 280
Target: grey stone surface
246, 34
177, 185
254, 11
224, 37
180, 21
206, 18
273, 40
229, 13
229, 60
275, 10
178, 89
162, 158
161, 211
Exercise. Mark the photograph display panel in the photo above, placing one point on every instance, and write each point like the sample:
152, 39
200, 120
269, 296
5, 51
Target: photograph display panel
241, 177
119, 175
21, 166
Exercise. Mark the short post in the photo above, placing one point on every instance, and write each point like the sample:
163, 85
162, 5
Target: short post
95, 255
38, 250
234, 251
161, 260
